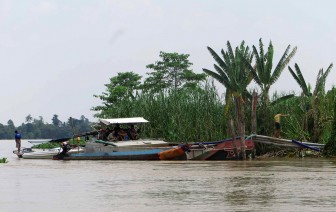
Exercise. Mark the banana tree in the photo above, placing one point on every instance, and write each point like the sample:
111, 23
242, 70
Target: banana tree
312, 100
232, 72
264, 74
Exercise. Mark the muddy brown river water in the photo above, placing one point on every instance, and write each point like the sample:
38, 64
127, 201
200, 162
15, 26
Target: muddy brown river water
254, 185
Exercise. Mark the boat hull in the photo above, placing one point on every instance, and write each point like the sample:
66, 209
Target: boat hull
124, 146
177, 153
220, 151
125, 155
45, 153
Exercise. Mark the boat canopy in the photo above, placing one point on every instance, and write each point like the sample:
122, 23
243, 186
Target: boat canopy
134, 120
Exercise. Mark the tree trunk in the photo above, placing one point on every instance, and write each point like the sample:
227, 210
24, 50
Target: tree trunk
316, 118
264, 126
254, 113
241, 124
233, 135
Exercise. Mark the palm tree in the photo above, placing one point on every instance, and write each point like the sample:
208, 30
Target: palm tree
312, 99
232, 72
264, 74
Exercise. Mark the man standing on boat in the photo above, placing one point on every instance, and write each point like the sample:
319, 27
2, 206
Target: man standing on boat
18, 141
277, 125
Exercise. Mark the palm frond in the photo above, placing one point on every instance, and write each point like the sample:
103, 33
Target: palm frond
269, 62
303, 83
318, 82
296, 78
282, 64
225, 79
261, 55
227, 60
282, 99
328, 70
213, 74
230, 52
321, 79
253, 74
258, 67
221, 79
299, 79
325, 75
231, 58
218, 60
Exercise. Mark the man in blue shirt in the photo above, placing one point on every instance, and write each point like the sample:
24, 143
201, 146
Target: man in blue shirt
18, 140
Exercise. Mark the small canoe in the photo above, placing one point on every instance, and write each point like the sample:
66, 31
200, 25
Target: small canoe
29, 153
41, 154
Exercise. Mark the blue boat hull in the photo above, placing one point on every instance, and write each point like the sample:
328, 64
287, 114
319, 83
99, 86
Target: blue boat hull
303, 145
152, 154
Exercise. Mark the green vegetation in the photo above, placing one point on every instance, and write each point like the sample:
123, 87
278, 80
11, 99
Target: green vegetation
265, 76
172, 72
183, 106
330, 148
177, 116
181, 113
235, 76
46, 145
51, 145
170, 98
38, 128
3, 160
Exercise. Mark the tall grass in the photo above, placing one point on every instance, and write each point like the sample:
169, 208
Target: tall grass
330, 148
199, 115
177, 115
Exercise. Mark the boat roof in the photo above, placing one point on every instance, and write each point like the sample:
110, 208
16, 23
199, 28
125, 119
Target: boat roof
134, 120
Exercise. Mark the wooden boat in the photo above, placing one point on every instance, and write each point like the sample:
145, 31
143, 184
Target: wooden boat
122, 146
306, 146
219, 150
41, 153
286, 142
29, 153
176, 153
125, 145
137, 149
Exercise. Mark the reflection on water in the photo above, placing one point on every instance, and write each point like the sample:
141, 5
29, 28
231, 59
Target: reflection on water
260, 185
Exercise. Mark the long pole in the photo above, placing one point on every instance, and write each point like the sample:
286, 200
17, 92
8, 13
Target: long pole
73, 132
72, 127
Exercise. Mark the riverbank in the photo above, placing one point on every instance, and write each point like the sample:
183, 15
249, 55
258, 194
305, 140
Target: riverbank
286, 153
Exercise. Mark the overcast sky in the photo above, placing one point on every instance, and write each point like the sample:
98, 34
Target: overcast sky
56, 54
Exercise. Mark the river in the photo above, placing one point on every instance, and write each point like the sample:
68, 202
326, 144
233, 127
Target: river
253, 185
